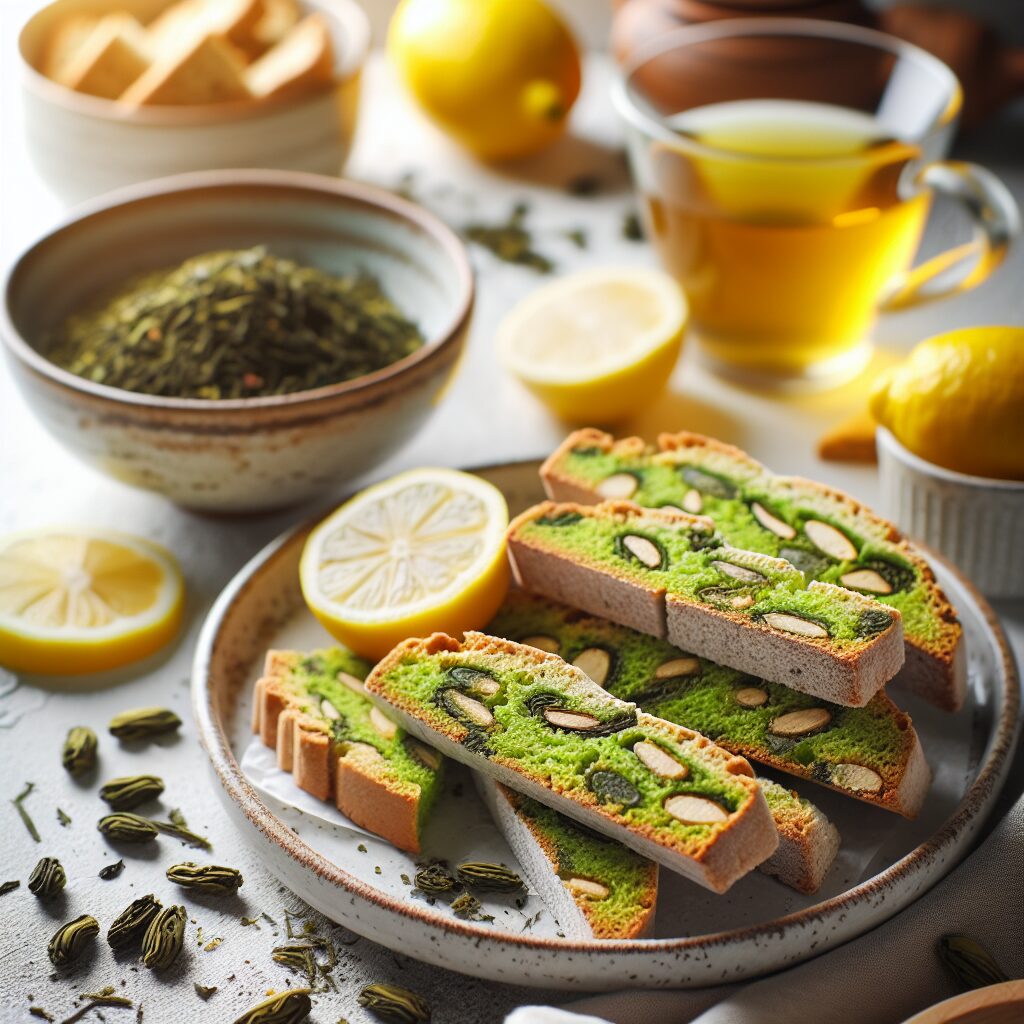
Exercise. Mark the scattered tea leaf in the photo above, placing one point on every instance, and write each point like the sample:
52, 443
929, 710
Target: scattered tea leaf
10, 886
204, 991
63, 818
511, 241
632, 229
111, 870
18, 802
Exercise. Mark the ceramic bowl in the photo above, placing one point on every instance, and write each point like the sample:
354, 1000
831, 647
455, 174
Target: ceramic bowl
253, 453
976, 522
83, 145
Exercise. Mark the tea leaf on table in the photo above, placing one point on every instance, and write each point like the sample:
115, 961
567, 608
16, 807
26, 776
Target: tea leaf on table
111, 870
9, 886
18, 802
511, 241
970, 962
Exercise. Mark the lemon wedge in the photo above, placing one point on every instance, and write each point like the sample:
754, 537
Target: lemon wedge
421, 552
74, 601
597, 345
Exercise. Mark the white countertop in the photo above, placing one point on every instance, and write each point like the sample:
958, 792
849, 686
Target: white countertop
487, 417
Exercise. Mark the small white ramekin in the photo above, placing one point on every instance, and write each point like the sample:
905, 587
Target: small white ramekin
977, 523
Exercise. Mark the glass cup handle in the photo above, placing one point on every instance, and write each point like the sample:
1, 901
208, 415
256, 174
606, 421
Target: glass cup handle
997, 222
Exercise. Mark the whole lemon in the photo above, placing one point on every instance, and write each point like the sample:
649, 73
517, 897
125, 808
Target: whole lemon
500, 76
958, 401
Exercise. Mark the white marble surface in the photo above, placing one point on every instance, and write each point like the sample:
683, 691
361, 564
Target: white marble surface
486, 418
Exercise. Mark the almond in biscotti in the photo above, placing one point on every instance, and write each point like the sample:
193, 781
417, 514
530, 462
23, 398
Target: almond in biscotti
830, 541
596, 662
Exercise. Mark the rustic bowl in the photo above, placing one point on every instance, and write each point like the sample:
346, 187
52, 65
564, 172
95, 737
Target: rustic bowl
83, 145
976, 522
253, 453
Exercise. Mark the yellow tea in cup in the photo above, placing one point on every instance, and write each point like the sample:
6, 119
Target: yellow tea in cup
786, 169
784, 224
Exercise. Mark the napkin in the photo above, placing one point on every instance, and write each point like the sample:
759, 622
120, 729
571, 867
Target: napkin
883, 977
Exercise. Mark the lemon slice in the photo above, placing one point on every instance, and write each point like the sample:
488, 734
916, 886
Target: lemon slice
421, 552
78, 600
598, 345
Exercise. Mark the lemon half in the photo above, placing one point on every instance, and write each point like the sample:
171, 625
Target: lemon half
421, 552
599, 345
74, 601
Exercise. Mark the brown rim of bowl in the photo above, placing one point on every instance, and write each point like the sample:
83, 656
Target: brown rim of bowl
346, 13
979, 795
377, 199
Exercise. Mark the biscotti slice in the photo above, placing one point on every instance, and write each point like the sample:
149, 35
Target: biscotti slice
808, 841
542, 728
313, 710
110, 60
595, 887
208, 70
301, 63
872, 753
823, 532
668, 574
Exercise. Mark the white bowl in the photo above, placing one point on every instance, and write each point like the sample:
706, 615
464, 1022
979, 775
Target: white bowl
976, 522
83, 145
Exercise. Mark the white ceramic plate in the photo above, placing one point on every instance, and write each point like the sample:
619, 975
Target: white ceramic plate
702, 939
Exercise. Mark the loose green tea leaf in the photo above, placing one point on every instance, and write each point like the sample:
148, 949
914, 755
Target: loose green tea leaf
970, 962
130, 925
511, 241
131, 790
213, 878
143, 723
9, 886
18, 802
79, 753
127, 827
164, 938
47, 878
296, 958
69, 940
236, 324
111, 870
434, 878
64, 819
284, 1008
391, 1003
484, 876
204, 991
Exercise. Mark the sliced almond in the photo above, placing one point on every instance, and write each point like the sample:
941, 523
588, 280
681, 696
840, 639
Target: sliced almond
586, 887
695, 810
595, 662
472, 709
866, 579
618, 485
382, 723
328, 710
660, 761
693, 502
353, 683
794, 624
801, 723
643, 549
677, 667
487, 686
576, 720
428, 755
751, 697
832, 542
365, 751
739, 572
857, 778
772, 523
542, 643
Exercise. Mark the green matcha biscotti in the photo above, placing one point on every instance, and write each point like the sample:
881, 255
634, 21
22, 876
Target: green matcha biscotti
872, 753
595, 887
668, 574
823, 532
543, 728
313, 710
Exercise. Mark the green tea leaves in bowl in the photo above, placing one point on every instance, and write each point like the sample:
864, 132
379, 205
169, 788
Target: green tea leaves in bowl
235, 324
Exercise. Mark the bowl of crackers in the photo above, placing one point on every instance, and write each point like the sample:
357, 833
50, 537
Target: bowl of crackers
122, 91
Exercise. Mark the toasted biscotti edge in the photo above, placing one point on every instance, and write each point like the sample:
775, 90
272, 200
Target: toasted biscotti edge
934, 670
808, 843
735, 849
353, 779
578, 915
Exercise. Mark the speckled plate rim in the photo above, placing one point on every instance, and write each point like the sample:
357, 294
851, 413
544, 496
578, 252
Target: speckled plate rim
851, 913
